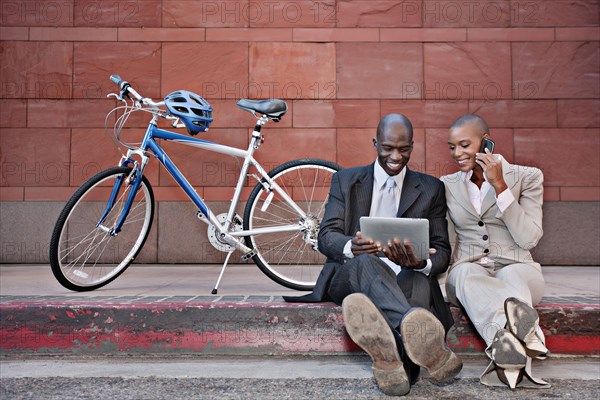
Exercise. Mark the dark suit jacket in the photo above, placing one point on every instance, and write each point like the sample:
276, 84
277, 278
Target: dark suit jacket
350, 195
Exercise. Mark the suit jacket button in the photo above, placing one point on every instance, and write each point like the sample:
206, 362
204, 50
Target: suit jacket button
480, 223
486, 251
485, 237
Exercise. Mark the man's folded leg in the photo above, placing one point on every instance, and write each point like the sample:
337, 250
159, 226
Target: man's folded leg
424, 339
369, 329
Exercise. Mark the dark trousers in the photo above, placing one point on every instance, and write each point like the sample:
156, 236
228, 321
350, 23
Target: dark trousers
393, 295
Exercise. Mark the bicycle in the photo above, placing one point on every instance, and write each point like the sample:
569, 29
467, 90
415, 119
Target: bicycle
106, 222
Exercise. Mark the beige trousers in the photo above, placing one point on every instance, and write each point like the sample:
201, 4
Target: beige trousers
481, 290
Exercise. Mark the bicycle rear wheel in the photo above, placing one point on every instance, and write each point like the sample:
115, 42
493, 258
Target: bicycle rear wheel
84, 257
290, 258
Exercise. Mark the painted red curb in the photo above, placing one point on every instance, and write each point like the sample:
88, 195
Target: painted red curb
237, 328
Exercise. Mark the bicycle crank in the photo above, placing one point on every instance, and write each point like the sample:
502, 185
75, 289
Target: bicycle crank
214, 236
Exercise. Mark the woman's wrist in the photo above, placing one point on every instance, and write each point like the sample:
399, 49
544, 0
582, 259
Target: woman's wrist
500, 187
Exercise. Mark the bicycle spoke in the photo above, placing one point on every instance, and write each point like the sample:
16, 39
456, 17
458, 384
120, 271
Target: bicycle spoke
275, 248
88, 257
287, 250
82, 242
287, 209
289, 257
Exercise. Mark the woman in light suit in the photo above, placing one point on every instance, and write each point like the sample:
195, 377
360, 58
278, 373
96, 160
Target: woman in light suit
496, 210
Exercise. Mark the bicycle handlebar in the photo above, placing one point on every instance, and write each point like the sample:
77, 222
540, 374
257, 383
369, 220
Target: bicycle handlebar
127, 89
117, 80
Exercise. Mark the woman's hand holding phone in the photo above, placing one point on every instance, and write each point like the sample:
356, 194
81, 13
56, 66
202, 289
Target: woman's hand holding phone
491, 165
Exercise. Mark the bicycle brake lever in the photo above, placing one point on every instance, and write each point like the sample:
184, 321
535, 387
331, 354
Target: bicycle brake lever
116, 96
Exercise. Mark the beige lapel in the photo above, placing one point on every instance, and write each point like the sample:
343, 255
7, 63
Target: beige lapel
458, 188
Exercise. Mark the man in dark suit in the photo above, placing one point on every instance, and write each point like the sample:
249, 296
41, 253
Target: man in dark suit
388, 314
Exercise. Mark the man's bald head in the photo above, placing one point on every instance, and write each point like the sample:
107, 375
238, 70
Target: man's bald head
394, 119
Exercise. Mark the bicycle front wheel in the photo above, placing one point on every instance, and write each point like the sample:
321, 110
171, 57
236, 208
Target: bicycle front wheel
290, 258
84, 257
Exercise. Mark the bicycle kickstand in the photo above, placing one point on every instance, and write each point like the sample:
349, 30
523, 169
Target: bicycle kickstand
214, 291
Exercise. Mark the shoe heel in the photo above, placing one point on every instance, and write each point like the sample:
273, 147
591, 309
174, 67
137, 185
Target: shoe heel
392, 382
448, 371
509, 356
511, 377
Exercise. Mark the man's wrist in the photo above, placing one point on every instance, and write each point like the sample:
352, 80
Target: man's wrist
348, 250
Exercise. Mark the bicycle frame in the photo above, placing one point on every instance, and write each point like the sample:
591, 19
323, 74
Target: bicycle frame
206, 215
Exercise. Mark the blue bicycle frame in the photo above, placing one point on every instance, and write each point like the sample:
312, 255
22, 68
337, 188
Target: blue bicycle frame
149, 144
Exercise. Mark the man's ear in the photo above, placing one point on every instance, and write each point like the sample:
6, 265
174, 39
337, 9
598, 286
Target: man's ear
375, 143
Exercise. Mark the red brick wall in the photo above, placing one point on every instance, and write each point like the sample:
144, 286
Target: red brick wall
530, 67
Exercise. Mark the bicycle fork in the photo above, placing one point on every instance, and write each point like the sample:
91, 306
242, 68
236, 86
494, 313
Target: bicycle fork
134, 179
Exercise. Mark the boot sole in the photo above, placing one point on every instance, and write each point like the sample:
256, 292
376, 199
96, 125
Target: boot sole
424, 341
368, 328
522, 320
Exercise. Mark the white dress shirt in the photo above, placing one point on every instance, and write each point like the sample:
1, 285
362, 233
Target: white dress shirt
380, 178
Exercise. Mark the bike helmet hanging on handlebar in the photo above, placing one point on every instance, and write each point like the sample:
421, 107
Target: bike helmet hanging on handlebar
192, 109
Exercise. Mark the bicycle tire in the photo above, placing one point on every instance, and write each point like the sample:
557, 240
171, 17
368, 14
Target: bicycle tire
289, 258
84, 257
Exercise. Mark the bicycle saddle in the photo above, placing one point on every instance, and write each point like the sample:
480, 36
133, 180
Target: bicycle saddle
273, 108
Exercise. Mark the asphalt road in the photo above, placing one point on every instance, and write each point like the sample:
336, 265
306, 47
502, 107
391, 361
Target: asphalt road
276, 389
330, 378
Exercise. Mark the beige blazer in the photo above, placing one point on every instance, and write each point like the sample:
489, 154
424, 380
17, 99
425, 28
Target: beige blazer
505, 236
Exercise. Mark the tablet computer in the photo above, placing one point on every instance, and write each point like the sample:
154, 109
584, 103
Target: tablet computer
382, 230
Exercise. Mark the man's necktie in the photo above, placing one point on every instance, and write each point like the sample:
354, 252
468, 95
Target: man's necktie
388, 202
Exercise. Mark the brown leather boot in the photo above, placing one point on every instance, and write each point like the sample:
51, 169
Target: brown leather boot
369, 329
425, 342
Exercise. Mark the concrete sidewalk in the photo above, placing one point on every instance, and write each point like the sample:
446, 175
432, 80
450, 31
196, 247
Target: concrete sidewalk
164, 280
147, 280
323, 367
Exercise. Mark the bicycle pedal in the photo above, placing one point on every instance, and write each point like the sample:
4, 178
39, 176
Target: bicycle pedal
249, 255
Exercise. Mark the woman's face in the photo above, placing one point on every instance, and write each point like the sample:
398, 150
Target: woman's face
464, 142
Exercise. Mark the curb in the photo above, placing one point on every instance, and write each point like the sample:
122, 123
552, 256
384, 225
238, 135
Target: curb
237, 328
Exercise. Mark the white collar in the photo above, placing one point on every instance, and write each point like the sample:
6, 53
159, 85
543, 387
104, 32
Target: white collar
381, 176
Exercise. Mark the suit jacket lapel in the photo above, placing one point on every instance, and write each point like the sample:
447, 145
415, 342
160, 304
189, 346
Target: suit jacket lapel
458, 188
488, 201
363, 193
411, 190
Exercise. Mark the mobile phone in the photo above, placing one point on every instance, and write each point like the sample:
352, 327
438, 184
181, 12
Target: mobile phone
487, 144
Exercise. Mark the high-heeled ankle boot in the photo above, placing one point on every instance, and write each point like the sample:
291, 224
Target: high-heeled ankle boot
523, 321
509, 357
